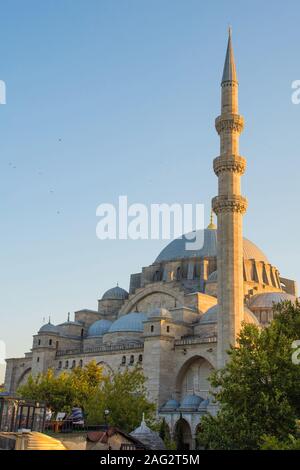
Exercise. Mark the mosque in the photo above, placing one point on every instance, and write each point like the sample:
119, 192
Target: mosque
182, 312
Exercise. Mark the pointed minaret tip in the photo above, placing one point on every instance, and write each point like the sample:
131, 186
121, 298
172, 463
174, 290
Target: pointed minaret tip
229, 71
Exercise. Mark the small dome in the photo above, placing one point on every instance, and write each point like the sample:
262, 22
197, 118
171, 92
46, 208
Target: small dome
171, 405
190, 403
211, 315
148, 437
213, 277
267, 299
130, 322
159, 313
116, 293
49, 328
99, 328
204, 404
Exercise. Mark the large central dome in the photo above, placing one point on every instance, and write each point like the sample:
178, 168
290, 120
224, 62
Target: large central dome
177, 249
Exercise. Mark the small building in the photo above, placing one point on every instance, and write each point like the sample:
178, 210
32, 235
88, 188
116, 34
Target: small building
113, 438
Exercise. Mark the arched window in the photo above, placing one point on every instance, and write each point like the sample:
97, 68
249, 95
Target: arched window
178, 274
152, 328
37, 359
168, 329
73, 363
39, 342
66, 364
131, 359
50, 342
157, 276
123, 360
265, 277
141, 358
80, 363
60, 365
254, 275
82, 332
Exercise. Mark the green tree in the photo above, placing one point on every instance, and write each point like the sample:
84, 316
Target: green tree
164, 433
259, 388
292, 442
65, 390
124, 395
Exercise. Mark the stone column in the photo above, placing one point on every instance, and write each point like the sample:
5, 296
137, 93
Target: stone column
230, 207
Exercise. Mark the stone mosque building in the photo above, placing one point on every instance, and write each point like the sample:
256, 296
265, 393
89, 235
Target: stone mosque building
183, 311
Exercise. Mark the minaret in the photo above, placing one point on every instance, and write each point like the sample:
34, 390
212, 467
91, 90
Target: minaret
229, 207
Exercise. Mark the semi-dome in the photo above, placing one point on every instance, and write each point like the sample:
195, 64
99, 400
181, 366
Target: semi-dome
159, 313
149, 438
130, 322
116, 293
171, 405
190, 403
268, 299
99, 328
211, 315
49, 328
177, 249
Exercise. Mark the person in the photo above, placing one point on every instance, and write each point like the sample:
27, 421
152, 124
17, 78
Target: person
48, 414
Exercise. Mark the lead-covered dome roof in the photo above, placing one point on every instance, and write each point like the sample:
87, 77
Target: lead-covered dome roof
211, 315
115, 293
268, 299
49, 328
130, 322
190, 402
177, 249
99, 328
149, 438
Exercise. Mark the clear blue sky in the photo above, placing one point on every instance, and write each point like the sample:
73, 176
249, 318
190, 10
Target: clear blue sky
110, 97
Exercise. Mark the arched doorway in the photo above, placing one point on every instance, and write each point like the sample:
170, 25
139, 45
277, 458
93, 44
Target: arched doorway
183, 435
22, 380
193, 377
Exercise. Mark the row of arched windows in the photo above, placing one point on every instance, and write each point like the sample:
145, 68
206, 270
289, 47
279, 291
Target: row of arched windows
131, 359
50, 342
67, 364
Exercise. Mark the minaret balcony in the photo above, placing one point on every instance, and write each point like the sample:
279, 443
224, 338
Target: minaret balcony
232, 203
231, 163
228, 122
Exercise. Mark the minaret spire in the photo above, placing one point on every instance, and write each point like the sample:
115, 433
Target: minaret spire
229, 71
229, 206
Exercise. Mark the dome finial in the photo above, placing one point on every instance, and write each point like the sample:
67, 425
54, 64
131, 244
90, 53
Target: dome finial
68, 316
211, 225
49, 320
